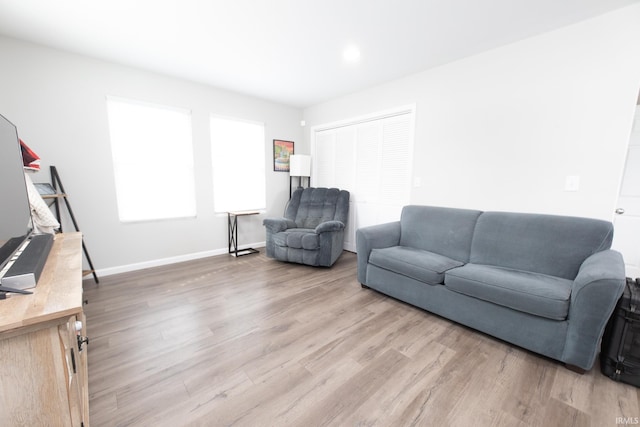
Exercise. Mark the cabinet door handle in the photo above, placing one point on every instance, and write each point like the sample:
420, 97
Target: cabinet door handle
619, 211
82, 340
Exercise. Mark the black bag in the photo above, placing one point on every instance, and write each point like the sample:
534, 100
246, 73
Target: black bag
620, 349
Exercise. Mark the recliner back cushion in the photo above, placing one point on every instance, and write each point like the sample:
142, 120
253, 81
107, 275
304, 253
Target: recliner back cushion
547, 244
317, 205
445, 231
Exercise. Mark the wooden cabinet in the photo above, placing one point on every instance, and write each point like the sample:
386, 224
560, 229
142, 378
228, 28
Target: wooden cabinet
43, 358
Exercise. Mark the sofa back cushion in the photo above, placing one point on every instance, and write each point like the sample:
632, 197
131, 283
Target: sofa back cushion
547, 244
445, 231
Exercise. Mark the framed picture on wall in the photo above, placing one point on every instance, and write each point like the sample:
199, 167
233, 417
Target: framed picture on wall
282, 150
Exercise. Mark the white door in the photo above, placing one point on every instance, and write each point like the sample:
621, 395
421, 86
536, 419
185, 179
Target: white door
383, 169
626, 238
333, 159
372, 159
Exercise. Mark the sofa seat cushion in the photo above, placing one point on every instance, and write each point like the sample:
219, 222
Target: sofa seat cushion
533, 293
418, 264
298, 238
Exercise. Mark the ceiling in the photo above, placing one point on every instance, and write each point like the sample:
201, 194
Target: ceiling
288, 51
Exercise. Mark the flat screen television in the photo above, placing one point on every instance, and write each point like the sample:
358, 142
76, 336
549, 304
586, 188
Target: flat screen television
18, 266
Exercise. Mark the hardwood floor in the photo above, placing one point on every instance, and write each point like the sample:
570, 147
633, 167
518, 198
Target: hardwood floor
251, 341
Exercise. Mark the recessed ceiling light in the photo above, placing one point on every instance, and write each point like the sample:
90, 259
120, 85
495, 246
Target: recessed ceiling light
351, 54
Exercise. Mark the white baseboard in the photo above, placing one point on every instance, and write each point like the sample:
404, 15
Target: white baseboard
171, 260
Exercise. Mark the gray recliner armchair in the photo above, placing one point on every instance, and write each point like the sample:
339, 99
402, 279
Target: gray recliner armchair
312, 230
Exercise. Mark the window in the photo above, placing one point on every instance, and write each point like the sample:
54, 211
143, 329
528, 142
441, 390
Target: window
152, 159
238, 159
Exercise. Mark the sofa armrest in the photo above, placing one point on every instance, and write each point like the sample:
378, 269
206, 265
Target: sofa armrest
595, 292
276, 225
374, 237
329, 226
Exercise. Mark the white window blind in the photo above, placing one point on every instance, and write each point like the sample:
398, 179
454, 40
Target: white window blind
153, 163
238, 159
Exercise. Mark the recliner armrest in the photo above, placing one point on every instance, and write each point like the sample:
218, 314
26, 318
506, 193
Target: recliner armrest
276, 225
329, 226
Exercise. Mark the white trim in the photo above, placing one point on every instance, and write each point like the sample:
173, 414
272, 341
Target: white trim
396, 111
238, 119
149, 104
171, 260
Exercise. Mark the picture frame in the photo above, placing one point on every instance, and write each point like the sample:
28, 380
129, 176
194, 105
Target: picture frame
282, 150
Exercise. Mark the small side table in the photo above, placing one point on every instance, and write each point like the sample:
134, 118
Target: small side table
232, 219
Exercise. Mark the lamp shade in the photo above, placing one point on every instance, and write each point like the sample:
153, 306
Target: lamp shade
299, 165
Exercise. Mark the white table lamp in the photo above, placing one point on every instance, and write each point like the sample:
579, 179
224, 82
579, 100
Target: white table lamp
300, 166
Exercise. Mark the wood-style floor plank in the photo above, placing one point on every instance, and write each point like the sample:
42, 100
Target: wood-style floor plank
250, 341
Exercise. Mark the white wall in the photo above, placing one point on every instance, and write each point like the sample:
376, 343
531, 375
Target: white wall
57, 101
501, 130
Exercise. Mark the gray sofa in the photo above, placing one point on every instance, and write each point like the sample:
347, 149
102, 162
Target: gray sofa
312, 229
546, 283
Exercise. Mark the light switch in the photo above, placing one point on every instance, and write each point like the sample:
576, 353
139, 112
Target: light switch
572, 183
